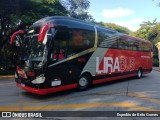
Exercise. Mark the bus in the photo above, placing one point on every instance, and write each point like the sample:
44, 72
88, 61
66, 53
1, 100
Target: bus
61, 53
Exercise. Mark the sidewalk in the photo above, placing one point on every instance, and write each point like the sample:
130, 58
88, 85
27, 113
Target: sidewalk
156, 68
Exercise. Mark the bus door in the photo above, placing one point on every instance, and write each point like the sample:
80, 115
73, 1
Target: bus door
59, 66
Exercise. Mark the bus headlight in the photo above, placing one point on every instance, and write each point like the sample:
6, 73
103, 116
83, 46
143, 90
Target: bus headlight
16, 76
39, 80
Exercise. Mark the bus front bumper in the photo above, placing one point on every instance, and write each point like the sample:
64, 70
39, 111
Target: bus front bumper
46, 90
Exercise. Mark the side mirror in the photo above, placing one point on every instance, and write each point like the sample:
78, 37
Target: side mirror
14, 35
43, 32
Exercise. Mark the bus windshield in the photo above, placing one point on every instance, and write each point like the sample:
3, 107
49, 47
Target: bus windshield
36, 48
34, 51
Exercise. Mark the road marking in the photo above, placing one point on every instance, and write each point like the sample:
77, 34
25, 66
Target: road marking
136, 95
36, 102
131, 106
144, 97
7, 77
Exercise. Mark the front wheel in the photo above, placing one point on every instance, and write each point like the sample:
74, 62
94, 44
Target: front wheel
139, 73
84, 82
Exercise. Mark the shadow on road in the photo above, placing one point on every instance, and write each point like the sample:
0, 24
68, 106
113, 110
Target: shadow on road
74, 91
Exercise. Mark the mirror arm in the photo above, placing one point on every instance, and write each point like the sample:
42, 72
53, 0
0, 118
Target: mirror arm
14, 35
43, 31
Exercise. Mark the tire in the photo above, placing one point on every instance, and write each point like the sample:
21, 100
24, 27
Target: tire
139, 73
84, 82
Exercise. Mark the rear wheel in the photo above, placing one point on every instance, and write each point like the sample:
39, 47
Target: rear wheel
84, 82
139, 73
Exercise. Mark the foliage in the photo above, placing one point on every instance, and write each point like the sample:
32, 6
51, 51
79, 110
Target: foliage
15, 14
19, 14
78, 9
155, 58
115, 27
150, 31
99, 23
118, 28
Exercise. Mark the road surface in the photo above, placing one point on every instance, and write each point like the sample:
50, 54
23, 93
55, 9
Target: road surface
129, 94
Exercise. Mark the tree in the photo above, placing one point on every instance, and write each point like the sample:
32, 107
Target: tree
158, 3
150, 31
15, 14
149, 23
115, 27
18, 14
78, 9
99, 23
118, 28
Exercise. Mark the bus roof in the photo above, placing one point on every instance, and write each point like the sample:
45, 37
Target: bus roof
54, 18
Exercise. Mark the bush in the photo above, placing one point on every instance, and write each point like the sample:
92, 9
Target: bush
7, 72
10, 70
155, 62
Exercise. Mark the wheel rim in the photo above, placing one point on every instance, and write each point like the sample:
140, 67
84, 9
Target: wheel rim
139, 73
83, 82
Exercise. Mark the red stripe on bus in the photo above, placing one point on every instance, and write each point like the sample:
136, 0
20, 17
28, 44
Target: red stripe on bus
47, 90
146, 72
112, 78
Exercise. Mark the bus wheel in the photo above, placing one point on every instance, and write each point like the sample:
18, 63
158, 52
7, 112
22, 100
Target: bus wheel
84, 82
139, 73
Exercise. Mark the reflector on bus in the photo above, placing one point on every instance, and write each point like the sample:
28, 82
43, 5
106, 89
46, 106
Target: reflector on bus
14, 35
43, 31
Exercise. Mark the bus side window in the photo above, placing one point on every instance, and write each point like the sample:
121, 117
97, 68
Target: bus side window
141, 46
60, 45
136, 46
121, 44
147, 47
107, 38
81, 40
102, 37
57, 54
78, 38
115, 45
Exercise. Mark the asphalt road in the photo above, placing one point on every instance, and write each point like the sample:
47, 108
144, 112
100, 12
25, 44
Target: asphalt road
123, 95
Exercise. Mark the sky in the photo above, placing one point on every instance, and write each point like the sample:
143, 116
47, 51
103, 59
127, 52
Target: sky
127, 13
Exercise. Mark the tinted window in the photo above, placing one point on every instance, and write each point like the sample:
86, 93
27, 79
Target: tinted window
105, 37
124, 43
131, 44
81, 39
146, 47
70, 41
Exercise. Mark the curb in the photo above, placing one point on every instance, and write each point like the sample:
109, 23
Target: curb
157, 69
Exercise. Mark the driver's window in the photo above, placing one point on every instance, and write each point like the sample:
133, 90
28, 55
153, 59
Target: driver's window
58, 53
59, 49
59, 46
